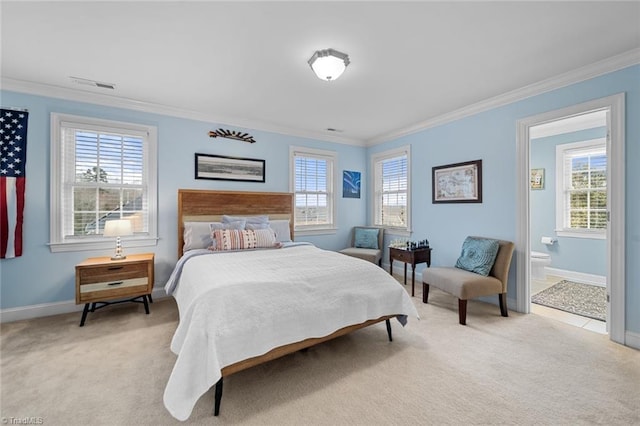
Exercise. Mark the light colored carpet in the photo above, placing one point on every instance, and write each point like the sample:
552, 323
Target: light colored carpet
521, 370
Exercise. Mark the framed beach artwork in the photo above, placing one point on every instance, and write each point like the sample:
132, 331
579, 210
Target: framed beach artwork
537, 178
219, 167
457, 183
350, 184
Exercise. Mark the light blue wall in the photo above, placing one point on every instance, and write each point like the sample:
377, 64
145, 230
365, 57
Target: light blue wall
572, 254
491, 136
40, 277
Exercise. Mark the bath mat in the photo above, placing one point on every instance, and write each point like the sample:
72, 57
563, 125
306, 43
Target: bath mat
580, 299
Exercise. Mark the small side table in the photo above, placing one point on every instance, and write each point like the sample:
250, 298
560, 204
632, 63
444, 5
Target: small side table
414, 257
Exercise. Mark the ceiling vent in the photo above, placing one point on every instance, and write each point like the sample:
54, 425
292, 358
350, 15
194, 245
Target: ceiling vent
87, 82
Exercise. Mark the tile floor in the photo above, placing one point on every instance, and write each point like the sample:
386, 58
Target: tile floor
566, 317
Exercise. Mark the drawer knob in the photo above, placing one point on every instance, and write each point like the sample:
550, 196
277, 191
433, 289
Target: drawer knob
116, 283
115, 268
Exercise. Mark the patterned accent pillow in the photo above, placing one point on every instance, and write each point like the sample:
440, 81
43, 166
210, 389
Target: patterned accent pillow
242, 239
239, 224
197, 235
478, 255
366, 238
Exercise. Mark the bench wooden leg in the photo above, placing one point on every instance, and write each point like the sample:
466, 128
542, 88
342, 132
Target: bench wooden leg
502, 297
462, 311
425, 293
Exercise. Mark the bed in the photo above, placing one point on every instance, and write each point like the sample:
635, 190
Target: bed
242, 307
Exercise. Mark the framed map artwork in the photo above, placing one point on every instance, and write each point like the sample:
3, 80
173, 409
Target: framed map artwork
457, 183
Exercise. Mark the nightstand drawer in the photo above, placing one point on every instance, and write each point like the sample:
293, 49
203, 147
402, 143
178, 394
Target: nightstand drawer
113, 285
105, 291
402, 256
111, 273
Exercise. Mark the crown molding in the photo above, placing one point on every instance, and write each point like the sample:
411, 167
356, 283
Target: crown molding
614, 63
39, 89
596, 69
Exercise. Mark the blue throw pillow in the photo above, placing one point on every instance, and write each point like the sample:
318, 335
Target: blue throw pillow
366, 238
478, 255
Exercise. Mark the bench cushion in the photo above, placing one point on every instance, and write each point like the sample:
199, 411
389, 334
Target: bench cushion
370, 255
462, 284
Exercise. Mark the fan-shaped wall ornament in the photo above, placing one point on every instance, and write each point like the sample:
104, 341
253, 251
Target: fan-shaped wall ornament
232, 134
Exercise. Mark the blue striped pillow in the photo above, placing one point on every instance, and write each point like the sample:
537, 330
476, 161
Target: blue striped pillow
478, 255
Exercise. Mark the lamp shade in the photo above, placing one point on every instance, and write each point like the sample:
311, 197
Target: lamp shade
328, 64
117, 228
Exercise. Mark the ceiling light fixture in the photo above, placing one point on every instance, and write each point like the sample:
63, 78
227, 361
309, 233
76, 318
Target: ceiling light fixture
328, 64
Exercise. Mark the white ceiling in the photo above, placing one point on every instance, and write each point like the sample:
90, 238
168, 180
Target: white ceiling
245, 63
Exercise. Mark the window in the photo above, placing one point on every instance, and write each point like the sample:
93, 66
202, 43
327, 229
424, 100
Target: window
101, 170
391, 200
312, 181
582, 189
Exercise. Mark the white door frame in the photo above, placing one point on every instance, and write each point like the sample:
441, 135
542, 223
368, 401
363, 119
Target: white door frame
616, 197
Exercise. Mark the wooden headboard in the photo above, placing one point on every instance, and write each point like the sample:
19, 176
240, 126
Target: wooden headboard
197, 205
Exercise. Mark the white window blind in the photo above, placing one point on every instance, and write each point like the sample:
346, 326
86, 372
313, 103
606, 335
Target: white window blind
582, 189
391, 189
103, 171
312, 172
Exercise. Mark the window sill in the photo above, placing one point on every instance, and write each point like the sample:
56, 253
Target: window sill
593, 235
107, 244
317, 231
398, 232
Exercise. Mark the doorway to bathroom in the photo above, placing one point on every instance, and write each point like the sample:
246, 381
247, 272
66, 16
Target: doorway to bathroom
568, 219
580, 194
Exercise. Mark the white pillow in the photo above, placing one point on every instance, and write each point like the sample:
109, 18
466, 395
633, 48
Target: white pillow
282, 230
247, 219
197, 235
255, 226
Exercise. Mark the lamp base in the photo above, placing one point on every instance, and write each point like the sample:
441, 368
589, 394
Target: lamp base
118, 257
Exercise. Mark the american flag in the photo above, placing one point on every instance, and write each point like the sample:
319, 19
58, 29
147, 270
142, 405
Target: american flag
13, 158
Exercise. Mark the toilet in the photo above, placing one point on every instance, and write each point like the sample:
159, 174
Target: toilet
539, 262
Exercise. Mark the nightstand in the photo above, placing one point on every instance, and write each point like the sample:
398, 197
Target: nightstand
100, 279
413, 257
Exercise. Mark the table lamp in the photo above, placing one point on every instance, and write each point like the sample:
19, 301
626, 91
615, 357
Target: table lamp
118, 228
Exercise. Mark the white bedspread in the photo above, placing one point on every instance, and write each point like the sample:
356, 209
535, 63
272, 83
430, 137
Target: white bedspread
237, 305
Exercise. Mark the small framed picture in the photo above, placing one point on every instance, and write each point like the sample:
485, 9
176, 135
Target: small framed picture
350, 184
537, 178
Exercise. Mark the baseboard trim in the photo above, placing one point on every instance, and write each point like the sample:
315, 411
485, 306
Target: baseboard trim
632, 339
592, 279
57, 308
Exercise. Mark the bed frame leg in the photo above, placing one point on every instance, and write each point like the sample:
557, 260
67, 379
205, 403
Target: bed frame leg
216, 408
389, 330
